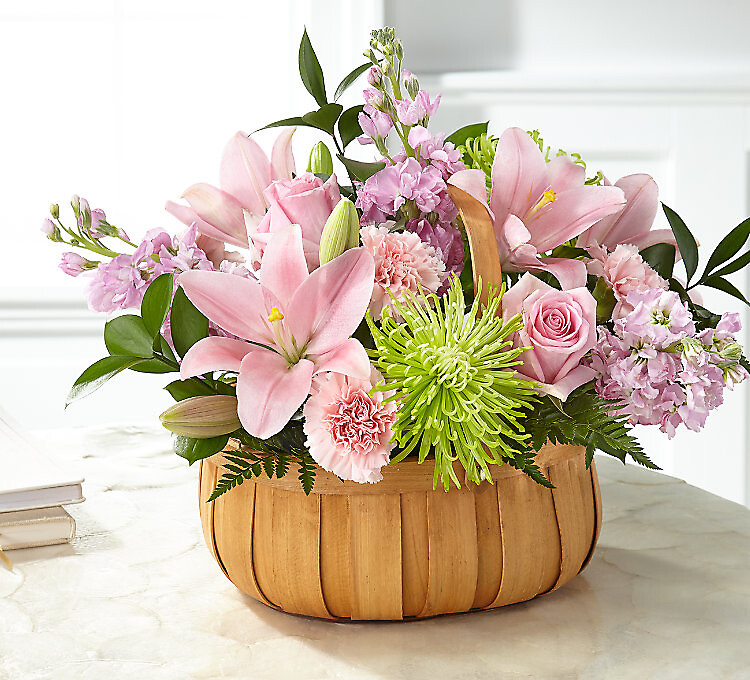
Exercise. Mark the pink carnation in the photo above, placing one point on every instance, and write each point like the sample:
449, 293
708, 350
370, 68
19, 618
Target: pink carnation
349, 429
624, 270
403, 262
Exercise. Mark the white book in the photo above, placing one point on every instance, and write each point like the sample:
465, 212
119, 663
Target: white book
33, 528
30, 479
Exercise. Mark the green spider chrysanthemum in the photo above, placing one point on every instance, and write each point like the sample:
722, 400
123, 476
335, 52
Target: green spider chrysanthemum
452, 373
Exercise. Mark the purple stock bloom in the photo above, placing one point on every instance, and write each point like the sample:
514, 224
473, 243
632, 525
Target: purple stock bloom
375, 124
387, 190
659, 370
448, 245
72, 264
48, 227
122, 282
441, 155
375, 76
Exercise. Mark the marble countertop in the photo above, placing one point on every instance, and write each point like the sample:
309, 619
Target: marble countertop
137, 594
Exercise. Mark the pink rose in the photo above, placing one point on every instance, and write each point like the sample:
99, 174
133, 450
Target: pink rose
560, 327
624, 270
305, 200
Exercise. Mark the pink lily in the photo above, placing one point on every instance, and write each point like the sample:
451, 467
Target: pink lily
297, 325
222, 213
633, 224
536, 206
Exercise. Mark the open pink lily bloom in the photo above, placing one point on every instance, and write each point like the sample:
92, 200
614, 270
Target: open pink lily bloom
632, 225
223, 213
536, 206
304, 322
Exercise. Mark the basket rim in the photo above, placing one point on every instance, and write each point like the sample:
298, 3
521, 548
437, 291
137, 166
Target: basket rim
406, 476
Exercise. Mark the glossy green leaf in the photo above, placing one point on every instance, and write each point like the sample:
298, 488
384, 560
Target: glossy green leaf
685, 241
324, 118
184, 389
349, 79
661, 257
460, 136
187, 324
99, 373
728, 247
349, 127
284, 122
127, 334
310, 71
193, 450
155, 305
359, 169
723, 285
734, 266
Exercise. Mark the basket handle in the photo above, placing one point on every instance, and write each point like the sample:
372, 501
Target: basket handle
485, 257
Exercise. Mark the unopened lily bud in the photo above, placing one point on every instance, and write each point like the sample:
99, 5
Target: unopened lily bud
410, 83
341, 231
320, 162
54, 210
202, 417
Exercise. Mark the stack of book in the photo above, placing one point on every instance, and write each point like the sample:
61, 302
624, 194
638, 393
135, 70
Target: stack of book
33, 489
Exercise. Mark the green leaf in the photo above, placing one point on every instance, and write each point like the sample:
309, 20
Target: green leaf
324, 118
349, 80
685, 241
196, 449
569, 252
349, 127
284, 122
310, 71
307, 473
661, 257
127, 335
187, 324
155, 303
184, 389
98, 373
723, 285
736, 265
460, 136
359, 169
728, 247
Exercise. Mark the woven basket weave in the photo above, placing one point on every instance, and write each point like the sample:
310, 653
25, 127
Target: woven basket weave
397, 549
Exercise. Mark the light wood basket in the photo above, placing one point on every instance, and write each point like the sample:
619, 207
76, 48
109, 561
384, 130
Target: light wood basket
399, 550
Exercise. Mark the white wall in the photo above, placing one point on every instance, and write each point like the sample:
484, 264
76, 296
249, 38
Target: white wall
128, 102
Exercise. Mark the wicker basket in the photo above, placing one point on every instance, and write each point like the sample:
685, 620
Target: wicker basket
399, 550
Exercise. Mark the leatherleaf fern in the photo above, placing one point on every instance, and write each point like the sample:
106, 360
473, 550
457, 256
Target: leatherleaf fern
451, 373
272, 457
584, 420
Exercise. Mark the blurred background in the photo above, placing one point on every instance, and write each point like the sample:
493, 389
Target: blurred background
128, 102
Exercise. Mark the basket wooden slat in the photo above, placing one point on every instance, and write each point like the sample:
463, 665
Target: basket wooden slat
348, 553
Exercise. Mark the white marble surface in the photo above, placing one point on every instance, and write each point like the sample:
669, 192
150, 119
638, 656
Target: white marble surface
137, 595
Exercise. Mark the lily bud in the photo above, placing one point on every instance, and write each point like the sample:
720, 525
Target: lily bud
341, 231
202, 417
54, 210
320, 162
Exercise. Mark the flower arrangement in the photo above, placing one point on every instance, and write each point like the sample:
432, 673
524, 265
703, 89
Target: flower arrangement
350, 325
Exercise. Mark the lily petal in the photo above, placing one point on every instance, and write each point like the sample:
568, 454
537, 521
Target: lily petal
214, 354
219, 209
245, 172
642, 195
282, 158
188, 217
234, 303
284, 268
269, 391
564, 174
349, 358
474, 183
519, 174
569, 273
651, 238
572, 212
329, 305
